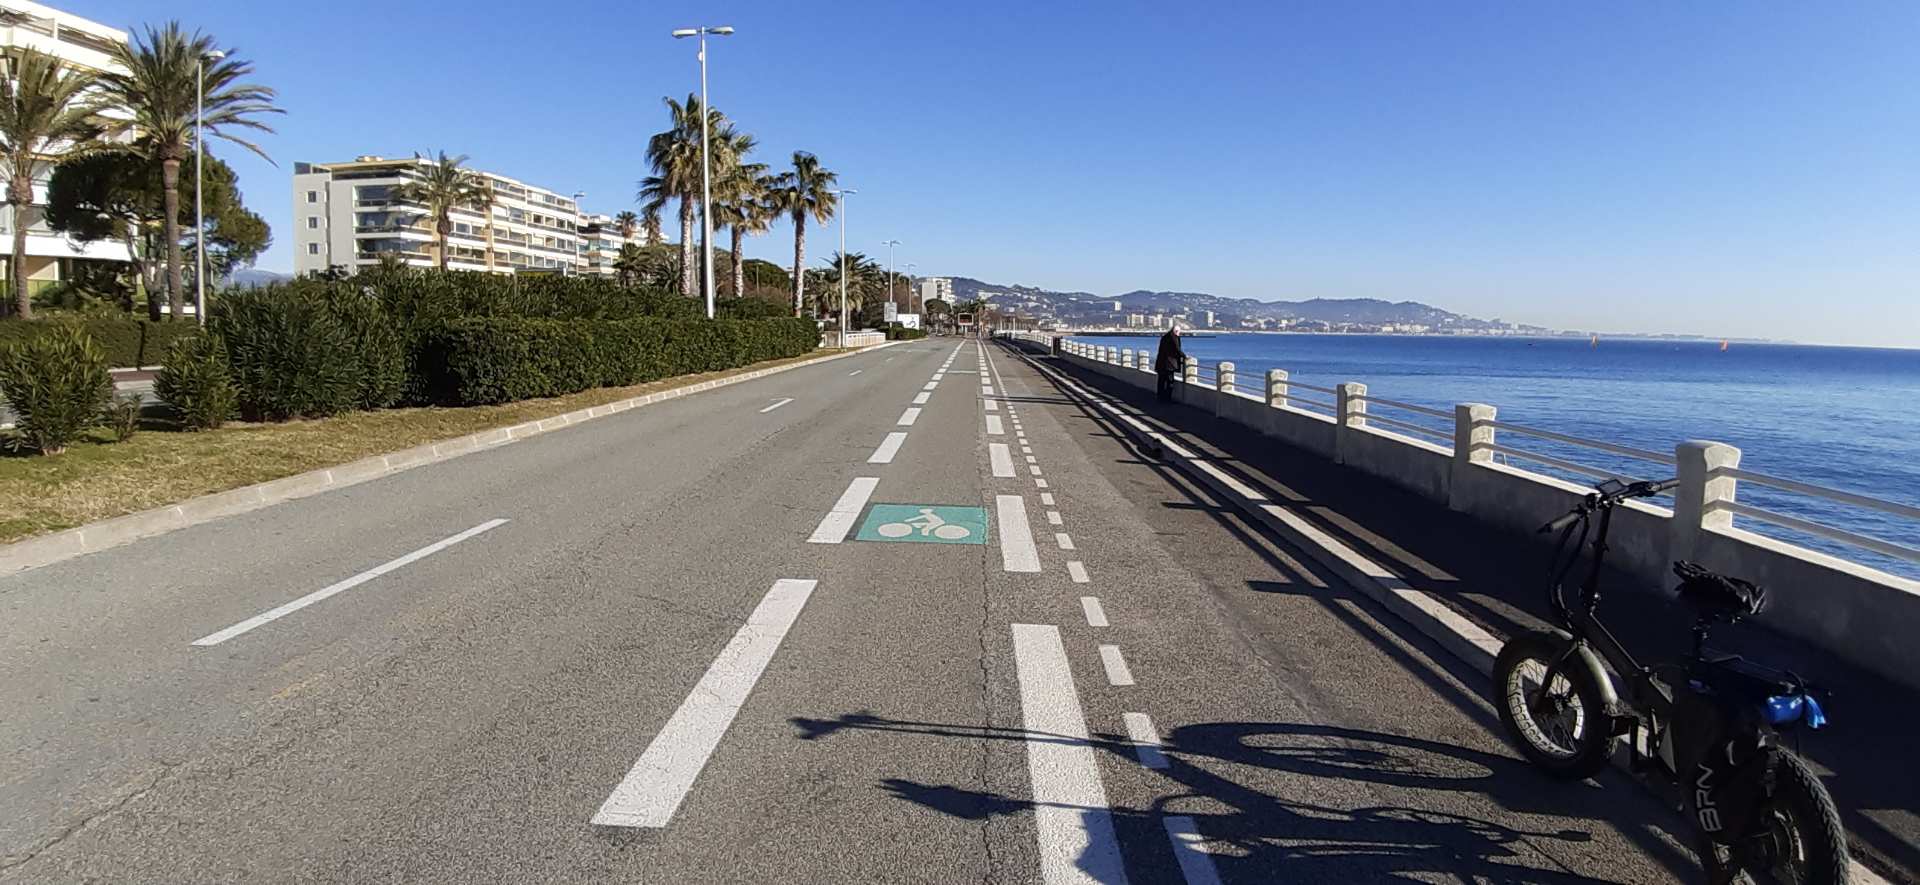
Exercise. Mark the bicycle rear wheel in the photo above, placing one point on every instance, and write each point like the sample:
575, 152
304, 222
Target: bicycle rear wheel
1798, 839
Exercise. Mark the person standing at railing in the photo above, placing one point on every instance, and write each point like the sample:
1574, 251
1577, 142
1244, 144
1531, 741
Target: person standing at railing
1168, 362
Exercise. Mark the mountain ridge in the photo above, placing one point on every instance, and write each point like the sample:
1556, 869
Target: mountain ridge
1087, 306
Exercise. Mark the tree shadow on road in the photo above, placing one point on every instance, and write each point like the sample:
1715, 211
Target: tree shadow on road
1253, 834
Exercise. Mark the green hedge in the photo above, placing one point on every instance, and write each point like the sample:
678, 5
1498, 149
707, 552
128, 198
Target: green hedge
501, 359
126, 342
897, 332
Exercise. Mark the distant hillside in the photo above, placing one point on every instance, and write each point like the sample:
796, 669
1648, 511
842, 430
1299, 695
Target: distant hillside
1086, 306
253, 278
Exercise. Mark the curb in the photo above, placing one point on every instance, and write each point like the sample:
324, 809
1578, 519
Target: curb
1466, 640
93, 537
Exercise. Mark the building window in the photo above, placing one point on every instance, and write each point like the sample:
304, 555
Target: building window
313, 222
313, 196
313, 248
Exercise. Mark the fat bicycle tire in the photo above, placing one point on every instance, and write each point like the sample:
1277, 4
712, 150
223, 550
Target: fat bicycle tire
1591, 747
1819, 838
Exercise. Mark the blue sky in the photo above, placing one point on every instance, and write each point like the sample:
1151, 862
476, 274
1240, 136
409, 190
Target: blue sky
1731, 169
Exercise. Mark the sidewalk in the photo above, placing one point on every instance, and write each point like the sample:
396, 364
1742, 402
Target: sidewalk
1498, 580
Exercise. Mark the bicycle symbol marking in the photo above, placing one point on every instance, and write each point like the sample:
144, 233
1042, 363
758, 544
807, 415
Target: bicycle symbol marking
928, 523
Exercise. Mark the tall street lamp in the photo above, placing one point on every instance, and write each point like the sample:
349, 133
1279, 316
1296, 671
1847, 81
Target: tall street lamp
706, 165
921, 313
840, 197
890, 244
199, 184
572, 267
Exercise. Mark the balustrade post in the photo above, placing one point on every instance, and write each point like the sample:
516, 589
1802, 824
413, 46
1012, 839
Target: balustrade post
1190, 371
1472, 444
1224, 378
1277, 388
1703, 489
1350, 414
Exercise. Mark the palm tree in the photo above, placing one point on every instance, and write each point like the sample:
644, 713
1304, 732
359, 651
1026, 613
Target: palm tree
43, 107
631, 263
864, 276
650, 229
626, 223
739, 203
805, 191
442, 186
674, 156
156, 86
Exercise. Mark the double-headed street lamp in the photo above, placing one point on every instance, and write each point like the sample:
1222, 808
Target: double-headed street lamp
199, 184
840, 196
706, 165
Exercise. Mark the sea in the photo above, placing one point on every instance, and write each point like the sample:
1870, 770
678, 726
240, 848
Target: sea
1845, 418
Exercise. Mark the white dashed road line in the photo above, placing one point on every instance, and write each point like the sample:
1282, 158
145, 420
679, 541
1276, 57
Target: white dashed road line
1053, 517
993, 426
340, 587
888, 448
1145, 740
920, 399
1001, 458
653, 789
1017, 551
1078, 571
1196, 865
1045, 497
1070, 815
993, 405
855, 372
1117, 672
1096, 613
1064, 540
777, 404
834, 526
908, 417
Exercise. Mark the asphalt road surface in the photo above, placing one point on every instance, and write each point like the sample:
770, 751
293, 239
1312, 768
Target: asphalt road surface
691, 643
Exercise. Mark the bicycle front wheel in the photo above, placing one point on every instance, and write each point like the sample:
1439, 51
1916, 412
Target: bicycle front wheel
1561, 727
1797, 838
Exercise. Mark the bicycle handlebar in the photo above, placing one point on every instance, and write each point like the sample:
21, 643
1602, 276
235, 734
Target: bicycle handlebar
1602, 496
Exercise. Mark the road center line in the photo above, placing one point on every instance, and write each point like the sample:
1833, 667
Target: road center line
1053, 517
931, 385
1096, 613
909, 416
993, 426
1145, 739
1001, 458
1064, 540
1070, 815
339, 587
834, 526
888, 448
1017, 553
1117, 672
776, 405
657, 783
920, 399
1077, 571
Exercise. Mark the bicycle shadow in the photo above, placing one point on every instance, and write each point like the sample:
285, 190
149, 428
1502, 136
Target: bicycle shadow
1255, 835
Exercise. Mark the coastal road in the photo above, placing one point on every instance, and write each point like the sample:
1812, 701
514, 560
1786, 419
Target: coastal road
907, 616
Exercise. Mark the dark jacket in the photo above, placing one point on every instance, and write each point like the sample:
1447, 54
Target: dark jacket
1171, 359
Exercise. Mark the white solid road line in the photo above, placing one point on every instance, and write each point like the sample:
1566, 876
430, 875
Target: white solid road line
1077, 571
1001, 458
920, 399
1196, 865
335, 589
888, 448
1070, 815
993, 426
1064, 540
908, 417
776, 405
1096, 613
653, 789
1117, 672
1145, 739
834, 526
1017, 553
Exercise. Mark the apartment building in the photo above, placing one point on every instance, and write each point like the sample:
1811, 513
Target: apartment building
600, 242
345, 216
937, 287
83, 44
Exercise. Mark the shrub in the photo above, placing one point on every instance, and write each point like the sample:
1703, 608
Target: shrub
122, 416
290, 352
752, 309
380, 357
56, 383
196, 383
897, 332
501, 359
126, 341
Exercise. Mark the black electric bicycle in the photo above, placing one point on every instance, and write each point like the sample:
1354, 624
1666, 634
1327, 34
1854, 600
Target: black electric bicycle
1709, 722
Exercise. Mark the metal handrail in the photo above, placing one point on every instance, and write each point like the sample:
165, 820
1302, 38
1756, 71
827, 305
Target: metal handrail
1858, 500
1888, 548
1408, 406
1627, 451
1556, 462
1330, 407
1408, 425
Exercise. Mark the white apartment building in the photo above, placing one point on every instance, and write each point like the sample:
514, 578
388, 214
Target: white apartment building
600, 243
936, 287
345, 216
82, 44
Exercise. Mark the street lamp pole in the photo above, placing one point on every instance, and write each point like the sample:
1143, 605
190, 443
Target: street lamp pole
199, 184
841, 197
706, 162
921, 313
890, 244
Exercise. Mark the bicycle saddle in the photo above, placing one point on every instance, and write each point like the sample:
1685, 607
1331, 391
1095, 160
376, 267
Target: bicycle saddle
1717, 595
